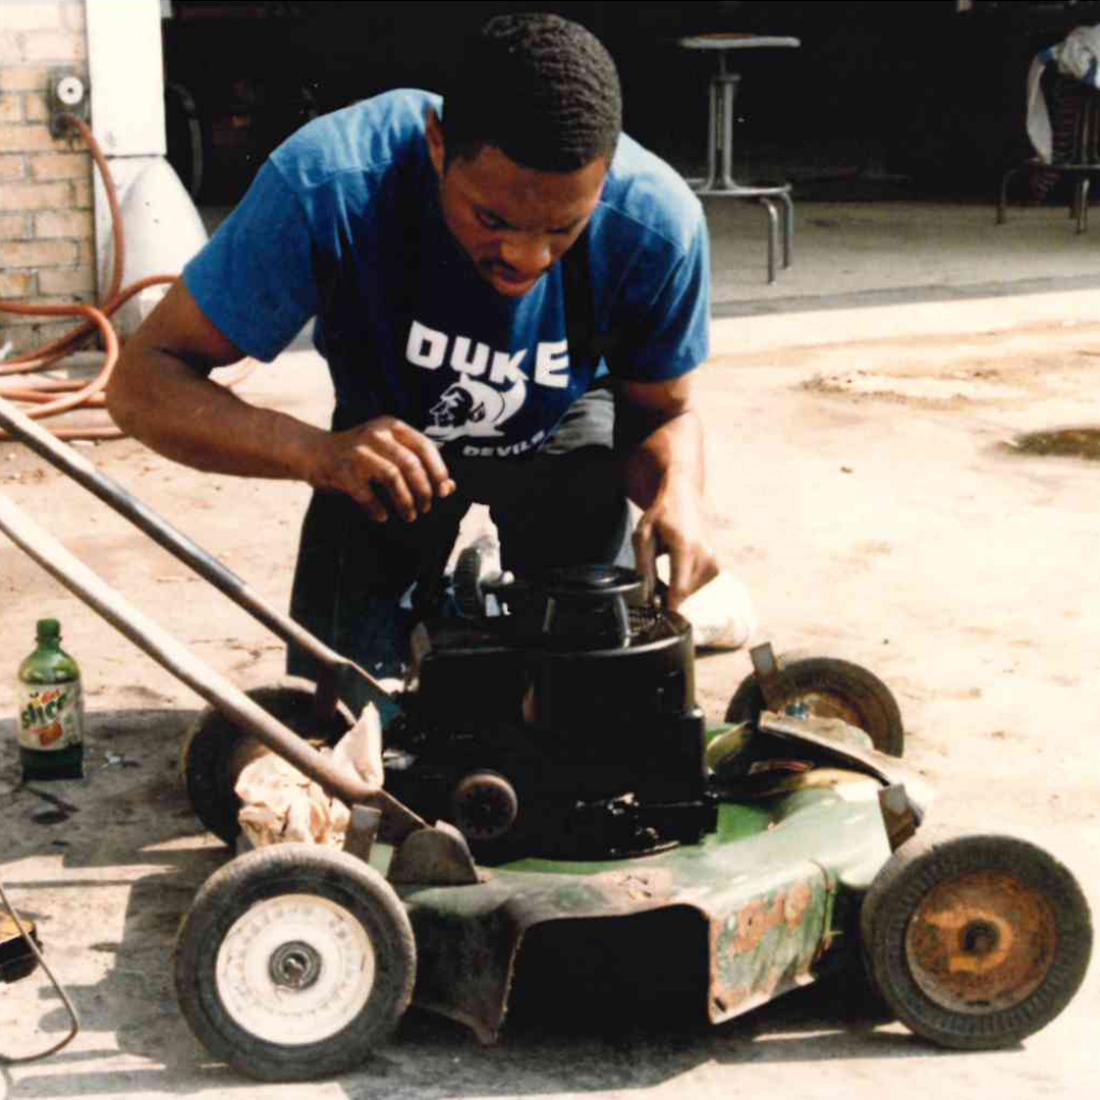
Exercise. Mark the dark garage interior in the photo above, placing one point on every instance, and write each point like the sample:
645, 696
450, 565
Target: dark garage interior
882, 100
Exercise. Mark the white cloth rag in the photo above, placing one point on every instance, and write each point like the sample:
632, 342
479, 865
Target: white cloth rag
721, 613
279, 804
1077, 56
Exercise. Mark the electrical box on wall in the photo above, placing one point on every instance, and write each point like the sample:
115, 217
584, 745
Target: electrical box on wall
66, 93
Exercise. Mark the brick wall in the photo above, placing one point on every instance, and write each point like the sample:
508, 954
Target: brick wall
47, 251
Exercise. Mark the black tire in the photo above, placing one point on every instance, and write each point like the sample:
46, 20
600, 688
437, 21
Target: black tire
183, 135
830, 688
976, 941
215, 750
231, 964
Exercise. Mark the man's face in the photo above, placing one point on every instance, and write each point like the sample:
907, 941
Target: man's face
513, 222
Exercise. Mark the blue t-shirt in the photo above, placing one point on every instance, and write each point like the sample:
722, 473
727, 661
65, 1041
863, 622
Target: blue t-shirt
343, 223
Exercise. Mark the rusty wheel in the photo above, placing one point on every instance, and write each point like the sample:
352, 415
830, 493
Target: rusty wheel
975, 942
827, 687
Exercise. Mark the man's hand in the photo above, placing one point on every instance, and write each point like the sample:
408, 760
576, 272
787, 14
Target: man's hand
384, 465
657, 428
674, 524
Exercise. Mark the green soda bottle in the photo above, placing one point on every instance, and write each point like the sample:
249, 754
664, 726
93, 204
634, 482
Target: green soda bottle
50, 719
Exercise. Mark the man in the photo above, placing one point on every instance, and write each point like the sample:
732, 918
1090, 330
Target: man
510, 296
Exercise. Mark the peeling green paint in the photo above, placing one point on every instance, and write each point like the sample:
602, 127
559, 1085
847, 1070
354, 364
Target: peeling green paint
763, 885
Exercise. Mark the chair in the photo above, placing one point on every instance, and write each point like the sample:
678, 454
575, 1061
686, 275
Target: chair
1083, 123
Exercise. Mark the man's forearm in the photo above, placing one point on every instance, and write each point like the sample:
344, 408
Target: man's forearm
161, 394
670, 452
660, 434
384, 465
180, 413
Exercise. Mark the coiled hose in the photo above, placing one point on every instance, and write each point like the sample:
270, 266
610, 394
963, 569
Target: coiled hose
47, 397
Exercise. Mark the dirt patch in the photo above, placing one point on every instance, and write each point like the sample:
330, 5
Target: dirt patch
1068, 442
923, 390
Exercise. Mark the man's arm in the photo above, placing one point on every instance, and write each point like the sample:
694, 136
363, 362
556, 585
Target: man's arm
658, 427
161, 394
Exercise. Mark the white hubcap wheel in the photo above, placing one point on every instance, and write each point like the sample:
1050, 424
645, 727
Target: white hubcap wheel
295, 969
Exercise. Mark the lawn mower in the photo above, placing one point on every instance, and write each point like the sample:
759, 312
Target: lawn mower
579, 801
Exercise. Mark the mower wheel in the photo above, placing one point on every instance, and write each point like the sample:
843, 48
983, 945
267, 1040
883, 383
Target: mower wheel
975, 941
294, 962
215, 750
828, 688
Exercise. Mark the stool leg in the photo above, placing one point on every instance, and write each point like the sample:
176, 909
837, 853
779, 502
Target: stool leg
1002, 198
714, 121
1082, 204
773, 236
728, 87
788, 227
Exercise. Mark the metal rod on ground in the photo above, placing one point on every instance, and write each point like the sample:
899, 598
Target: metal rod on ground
72, 462
183, 664
74, 1018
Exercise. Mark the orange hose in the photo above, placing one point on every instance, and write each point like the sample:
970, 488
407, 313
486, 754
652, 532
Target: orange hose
71, 400
110, 341
53, 396
42, 357
69, 340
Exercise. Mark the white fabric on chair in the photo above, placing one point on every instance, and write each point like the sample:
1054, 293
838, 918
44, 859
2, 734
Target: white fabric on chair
1077, 56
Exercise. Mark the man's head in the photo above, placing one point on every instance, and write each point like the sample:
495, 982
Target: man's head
529, 128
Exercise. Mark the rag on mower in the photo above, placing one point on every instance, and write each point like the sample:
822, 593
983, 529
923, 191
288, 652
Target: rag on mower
575, 787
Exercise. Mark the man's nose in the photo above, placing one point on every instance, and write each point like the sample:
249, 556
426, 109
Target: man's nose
529, 255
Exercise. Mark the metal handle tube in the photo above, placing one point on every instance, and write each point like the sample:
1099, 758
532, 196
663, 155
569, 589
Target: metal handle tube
183, 664
72, 462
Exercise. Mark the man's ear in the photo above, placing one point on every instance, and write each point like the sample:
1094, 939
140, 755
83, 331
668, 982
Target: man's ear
436, 148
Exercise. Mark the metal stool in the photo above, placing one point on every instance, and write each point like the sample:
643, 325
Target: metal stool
1084, 160
719, 180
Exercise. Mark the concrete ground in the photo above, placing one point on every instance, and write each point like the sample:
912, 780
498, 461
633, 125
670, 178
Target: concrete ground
849, 254
862, 485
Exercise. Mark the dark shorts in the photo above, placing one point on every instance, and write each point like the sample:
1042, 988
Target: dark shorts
564, 505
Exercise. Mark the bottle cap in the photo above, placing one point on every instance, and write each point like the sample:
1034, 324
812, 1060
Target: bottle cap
48, 628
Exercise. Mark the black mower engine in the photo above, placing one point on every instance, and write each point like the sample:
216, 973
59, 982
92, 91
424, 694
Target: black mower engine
564, 728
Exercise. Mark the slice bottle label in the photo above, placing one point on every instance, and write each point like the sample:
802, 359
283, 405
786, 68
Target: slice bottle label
50, 716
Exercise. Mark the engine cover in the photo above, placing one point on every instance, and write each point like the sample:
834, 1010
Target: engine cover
583, 704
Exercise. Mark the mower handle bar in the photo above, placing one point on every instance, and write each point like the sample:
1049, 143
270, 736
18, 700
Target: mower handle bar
75, 465
185, 666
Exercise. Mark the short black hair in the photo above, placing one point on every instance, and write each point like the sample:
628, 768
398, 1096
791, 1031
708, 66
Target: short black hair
540, 88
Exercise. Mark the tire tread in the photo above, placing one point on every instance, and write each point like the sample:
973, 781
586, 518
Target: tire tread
269, 872
914, 869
